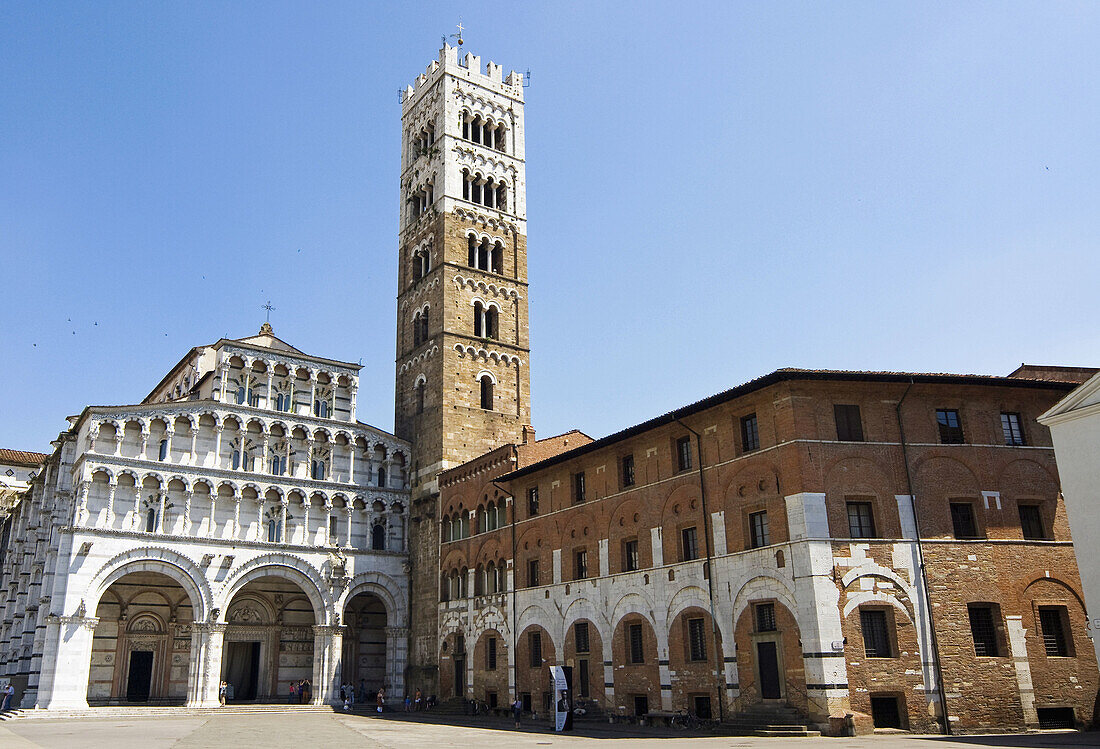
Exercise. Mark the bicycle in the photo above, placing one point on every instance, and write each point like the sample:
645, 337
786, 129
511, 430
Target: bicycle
685, 720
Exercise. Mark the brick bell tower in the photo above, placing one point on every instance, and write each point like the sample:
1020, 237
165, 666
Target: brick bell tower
462, 385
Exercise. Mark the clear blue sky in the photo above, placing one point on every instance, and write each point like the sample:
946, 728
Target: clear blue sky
715, 190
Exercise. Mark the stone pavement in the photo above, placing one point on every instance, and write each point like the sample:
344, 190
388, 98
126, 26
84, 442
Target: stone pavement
397, 732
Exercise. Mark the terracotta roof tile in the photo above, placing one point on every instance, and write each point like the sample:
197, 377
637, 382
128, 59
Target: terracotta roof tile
22, 457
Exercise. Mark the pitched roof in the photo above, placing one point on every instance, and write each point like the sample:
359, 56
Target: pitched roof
784, 375
22, 457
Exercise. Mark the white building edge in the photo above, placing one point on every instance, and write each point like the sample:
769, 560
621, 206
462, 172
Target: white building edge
237, 524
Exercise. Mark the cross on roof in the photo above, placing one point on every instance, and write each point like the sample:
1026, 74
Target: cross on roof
269, 308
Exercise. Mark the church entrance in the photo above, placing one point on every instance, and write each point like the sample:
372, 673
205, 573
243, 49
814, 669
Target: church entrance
268, 640
365, 655
140, 676
242, 669
141, 648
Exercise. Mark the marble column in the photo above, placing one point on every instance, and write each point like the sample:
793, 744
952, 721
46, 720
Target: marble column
328, 646
66, 661
204, 670
397, 653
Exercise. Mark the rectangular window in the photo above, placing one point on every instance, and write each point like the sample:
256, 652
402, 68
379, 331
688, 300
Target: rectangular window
532, 501
332, 527
983, 629
750, 435
849, 426
1012, 428
580, 634
861, 520
626, 466
1031, 522
580, 566
962, 520
951, 432
765, 617
535, 646
630, 555
532, 573
1052, 621
697, 643
689, 546
578, 487
491, 654
758, 530
876, 637
683, 454
583, 679
634, 635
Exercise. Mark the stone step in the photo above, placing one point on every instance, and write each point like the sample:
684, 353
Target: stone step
147, 712
787, 733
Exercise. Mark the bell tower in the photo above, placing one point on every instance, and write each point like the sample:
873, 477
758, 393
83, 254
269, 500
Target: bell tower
462, 385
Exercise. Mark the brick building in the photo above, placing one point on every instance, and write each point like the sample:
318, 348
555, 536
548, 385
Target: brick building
763, 546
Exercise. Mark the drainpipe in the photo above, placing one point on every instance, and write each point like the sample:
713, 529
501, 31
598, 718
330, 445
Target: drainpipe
923, 573
721, 674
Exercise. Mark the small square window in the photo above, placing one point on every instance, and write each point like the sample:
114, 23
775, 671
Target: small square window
758, 530
683, 454
861, 520
1031, 522
962, 520
750, 434
626, 470
765, 617
951, 432
1013, 429
849, 426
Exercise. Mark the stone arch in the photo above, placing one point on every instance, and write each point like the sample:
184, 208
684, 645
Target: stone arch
385, 588
286, 566
762, 586
155, 559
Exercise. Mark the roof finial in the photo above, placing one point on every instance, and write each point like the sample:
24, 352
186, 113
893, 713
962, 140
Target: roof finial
457, 36
266, 328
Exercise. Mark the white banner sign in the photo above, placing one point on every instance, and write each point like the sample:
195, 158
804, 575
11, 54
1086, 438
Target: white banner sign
561, 697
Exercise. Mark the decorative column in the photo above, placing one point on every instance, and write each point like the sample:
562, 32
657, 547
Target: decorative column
218, 444
224, 378
144, 455
348, 511
328, 522
135, 523
397, 653
187, 511
118, 443
194, 447
66, 661
305, 522
259, 518
111, 500
263, 454
270, 382
82, 508
309, 456
242, 435
204, 670
354, 388
161, 496
236, 515
169, 433
212, 527
312, 390
285, 535
328, 646
351, 461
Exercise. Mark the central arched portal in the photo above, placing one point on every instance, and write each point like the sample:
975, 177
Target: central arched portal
141, 649
268, 640
365, 648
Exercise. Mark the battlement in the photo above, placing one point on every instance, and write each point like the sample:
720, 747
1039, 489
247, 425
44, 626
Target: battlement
469, 68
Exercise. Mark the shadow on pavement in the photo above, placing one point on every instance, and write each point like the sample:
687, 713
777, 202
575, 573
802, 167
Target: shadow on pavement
1045, 740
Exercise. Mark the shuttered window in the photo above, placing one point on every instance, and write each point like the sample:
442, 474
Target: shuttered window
697, 640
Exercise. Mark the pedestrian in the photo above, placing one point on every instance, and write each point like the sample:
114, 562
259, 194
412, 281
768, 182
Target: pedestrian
408, 702
307, 692
9, 693
293, 693
223, 690
517, 710
381, 698
345, 692
419, 700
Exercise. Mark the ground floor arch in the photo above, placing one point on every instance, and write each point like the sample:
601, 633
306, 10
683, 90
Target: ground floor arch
141, 645
268, 640
366, 658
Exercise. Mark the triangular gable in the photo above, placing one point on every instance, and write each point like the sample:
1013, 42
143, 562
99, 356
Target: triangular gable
269, 341
1084, 396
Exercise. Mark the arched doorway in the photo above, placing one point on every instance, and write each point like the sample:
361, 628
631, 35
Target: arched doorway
365, 656
141, 647
268, 640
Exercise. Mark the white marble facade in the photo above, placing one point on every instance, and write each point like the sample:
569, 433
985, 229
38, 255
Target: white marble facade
239, 523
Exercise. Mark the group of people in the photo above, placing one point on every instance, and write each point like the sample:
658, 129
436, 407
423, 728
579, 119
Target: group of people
349, 695
300, 692
416, 701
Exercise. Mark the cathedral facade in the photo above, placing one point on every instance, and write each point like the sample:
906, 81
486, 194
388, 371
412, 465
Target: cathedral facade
237, 524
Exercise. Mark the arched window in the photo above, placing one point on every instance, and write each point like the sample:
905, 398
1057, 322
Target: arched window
502, 197
479, 319
479, 581
235, 459
382, 476
278, 463
282, 401
499, 138
483, 254
445, 529
318, 470
491, 323
487, 392
163, 454
424, 326
416, 329
320, 408
471, 248
498, 258
491, 578
378, 537
421, 387
151, 520
275, 531
465, 184
422, 263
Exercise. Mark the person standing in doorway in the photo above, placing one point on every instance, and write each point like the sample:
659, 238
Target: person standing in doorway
223, 690
9, 694
381, 698
517, 709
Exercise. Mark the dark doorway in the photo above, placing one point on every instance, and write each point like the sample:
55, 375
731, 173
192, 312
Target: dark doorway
641, 704
768, 661
460, 677
242, 669
1055, 717
885, 713
140, 676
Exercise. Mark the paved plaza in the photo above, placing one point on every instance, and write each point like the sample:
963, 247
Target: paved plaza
237, 731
